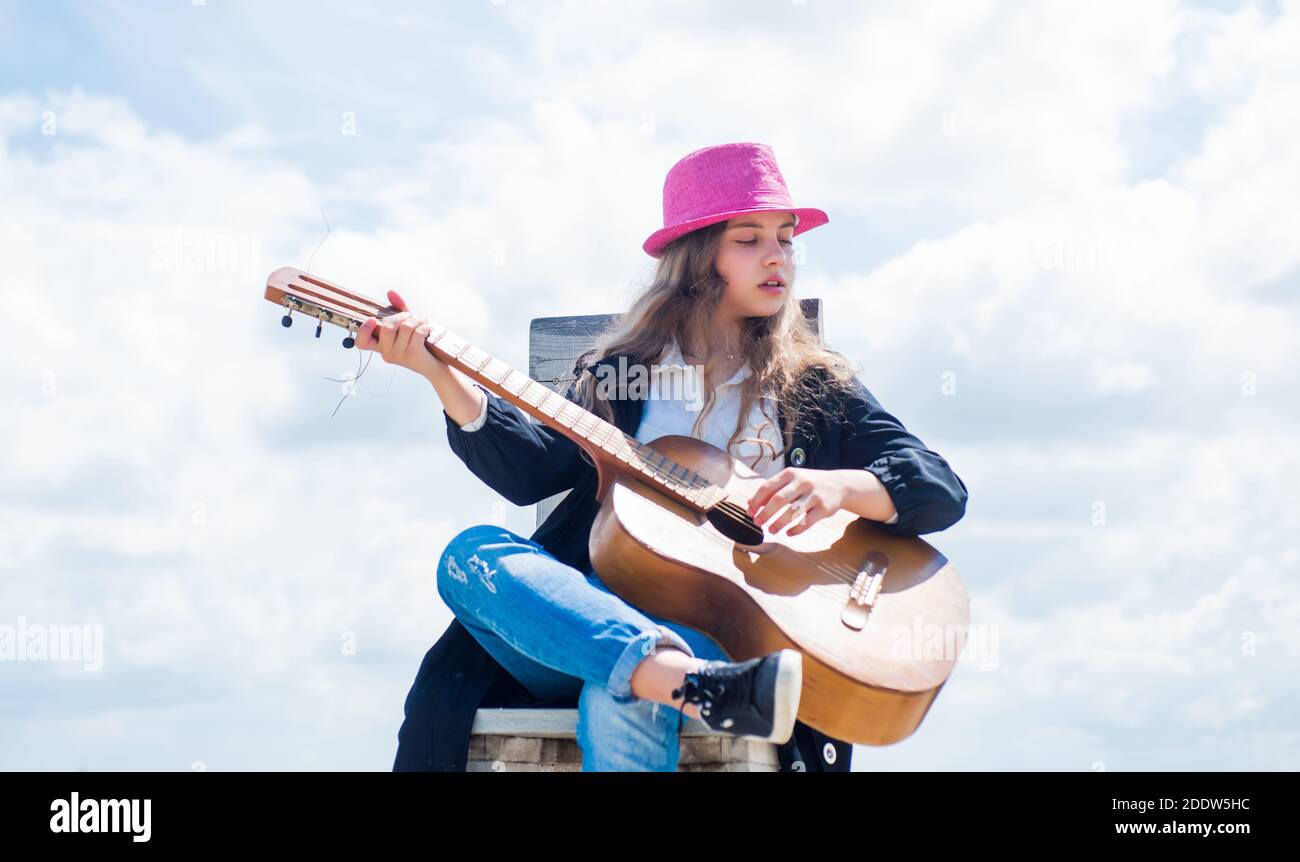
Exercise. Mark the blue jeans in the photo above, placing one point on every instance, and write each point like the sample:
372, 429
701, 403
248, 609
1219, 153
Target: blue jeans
561, 633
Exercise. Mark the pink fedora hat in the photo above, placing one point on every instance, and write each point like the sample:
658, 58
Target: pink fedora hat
716, 183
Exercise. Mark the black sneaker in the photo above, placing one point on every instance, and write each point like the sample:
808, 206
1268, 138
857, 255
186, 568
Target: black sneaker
754, 699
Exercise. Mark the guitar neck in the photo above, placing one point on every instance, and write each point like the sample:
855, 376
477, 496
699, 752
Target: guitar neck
601, 439
612, 450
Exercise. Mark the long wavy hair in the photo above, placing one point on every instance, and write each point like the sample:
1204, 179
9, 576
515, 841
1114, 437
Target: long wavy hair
790, 367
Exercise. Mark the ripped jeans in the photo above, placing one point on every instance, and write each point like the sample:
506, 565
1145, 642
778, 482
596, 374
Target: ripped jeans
561, 633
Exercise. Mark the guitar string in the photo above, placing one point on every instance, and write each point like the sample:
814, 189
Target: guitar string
827, 591
322, 240
727, 507
676, 483
361, 370
355, 380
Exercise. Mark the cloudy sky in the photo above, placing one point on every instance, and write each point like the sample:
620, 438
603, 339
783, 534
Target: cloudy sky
1057, 252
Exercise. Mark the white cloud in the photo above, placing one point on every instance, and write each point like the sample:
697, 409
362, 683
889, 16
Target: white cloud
172, 470
1244, 169
1121, 377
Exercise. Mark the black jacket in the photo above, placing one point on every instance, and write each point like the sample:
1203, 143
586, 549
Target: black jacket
526, 463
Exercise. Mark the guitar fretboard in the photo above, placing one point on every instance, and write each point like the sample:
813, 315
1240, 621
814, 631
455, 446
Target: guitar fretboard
556, 410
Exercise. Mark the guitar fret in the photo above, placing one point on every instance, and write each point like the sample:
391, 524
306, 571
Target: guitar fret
566, 413
643, 459
589, 425
495, 370
563, 417
532, 393
550, 403
516, 387
454, 345
474, 357
586, 424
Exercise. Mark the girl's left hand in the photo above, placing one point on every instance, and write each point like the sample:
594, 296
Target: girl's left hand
821, 492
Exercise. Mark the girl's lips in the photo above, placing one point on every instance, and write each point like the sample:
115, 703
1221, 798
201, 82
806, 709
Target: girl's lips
774, 289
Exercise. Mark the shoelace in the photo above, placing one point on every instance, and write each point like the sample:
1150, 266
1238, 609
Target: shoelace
711, 683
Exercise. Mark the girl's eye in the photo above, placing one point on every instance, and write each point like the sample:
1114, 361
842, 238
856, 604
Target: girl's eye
752, 241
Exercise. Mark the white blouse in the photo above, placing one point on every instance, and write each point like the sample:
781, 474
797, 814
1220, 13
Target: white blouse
675, 401
677, 397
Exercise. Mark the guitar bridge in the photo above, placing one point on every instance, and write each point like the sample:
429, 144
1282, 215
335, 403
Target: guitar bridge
866, 586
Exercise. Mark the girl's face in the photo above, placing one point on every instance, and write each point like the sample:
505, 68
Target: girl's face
756, 248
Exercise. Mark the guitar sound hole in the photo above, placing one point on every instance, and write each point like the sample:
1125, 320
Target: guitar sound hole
735, 524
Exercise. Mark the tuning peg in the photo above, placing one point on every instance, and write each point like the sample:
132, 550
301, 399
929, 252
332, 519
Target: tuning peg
349, 341
287, 321
319, 324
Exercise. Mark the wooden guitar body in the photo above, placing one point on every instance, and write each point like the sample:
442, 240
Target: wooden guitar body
870, 684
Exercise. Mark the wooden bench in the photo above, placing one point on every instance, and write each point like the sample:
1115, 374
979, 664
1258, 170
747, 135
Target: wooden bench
545, 740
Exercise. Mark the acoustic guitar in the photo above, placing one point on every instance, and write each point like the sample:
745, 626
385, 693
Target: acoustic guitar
879, 619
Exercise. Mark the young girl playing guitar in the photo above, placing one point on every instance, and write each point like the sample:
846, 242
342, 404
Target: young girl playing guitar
721, 301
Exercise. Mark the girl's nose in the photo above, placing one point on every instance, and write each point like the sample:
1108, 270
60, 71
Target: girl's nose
775, 254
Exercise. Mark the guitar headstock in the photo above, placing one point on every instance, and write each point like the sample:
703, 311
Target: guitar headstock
317, 298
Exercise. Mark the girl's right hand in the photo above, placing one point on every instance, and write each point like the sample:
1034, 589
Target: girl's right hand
399, 339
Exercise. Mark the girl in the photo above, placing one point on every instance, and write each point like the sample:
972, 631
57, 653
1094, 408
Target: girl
721, 303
